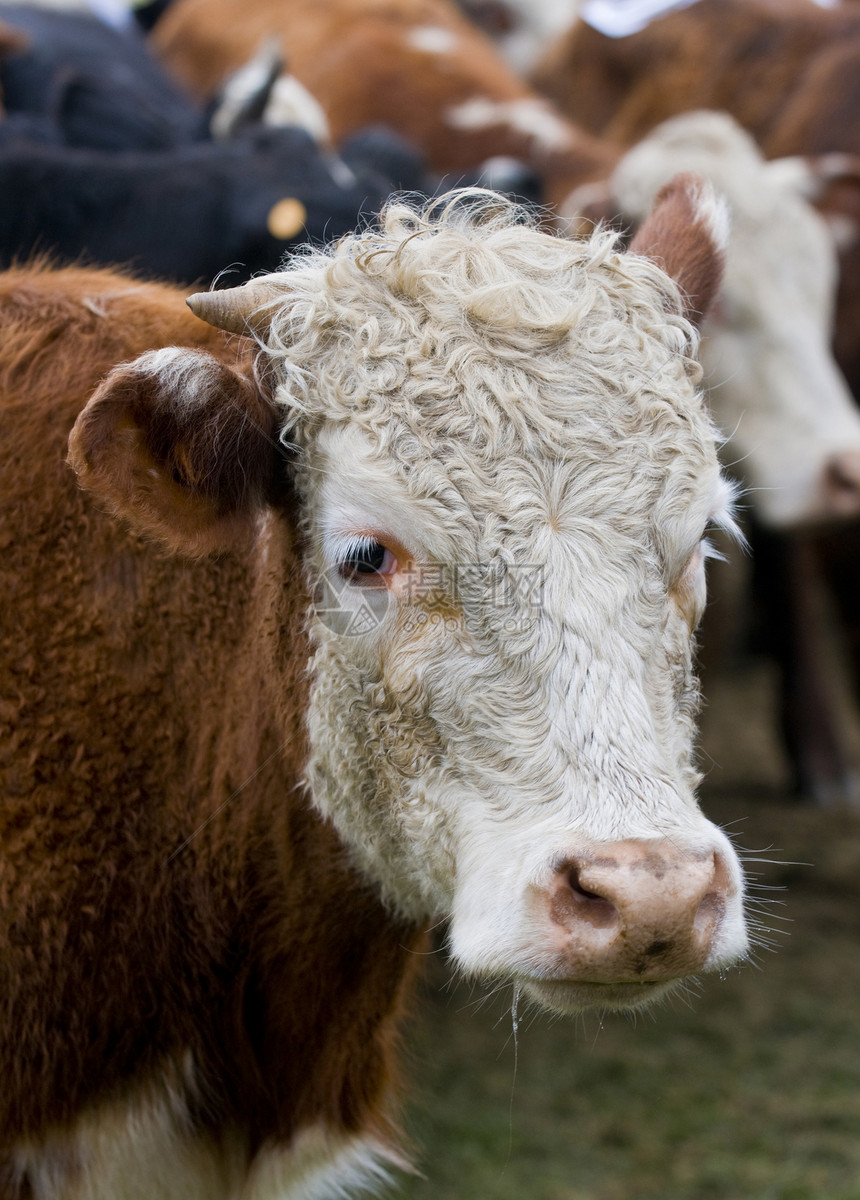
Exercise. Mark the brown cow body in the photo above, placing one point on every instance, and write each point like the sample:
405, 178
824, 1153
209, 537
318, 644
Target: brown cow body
180, 935
748, 57
417, 65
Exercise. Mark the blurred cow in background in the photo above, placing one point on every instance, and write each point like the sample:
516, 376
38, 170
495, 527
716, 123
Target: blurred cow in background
103, 157
791, 425
184, 214
418, 65
101, 87
790, 74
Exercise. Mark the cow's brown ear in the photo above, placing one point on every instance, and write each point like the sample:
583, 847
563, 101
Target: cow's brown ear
686, 234
182, 446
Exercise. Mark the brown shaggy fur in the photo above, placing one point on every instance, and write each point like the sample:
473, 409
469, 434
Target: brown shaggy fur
164, 886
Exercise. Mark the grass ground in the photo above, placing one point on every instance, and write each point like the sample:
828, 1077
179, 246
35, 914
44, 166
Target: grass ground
749, 1090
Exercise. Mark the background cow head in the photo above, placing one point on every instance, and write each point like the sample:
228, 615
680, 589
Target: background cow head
790, 422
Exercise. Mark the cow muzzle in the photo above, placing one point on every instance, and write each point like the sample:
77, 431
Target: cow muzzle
616, 923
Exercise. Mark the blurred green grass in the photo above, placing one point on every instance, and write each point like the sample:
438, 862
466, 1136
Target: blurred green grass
748, 1091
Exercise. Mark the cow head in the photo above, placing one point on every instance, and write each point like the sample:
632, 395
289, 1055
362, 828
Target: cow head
791, 424
505, 476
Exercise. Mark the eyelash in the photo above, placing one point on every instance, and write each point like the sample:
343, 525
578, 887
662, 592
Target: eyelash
365, 558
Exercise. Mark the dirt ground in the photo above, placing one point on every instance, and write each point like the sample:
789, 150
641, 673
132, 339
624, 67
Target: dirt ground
746, 1089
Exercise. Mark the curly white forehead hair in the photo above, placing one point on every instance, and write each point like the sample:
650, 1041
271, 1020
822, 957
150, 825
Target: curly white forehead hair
472, 284
462, 338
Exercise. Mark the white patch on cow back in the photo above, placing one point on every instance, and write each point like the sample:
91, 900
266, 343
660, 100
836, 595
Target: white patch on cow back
135, 1150
620, 18
529, 116
533, 26
290, 103
319, 1165
146, 1147
432, 39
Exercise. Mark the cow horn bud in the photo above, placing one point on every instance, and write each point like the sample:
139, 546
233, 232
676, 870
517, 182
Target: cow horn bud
243, 309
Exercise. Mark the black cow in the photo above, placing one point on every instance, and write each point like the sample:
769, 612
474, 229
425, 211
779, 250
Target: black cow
100, 86
183, 214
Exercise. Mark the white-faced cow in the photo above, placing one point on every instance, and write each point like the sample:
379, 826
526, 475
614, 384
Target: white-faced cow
788, 71
229, 810
791, 425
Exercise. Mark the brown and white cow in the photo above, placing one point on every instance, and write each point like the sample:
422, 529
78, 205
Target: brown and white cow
788, 72
416, 65
791, 424
745, 56
395, 622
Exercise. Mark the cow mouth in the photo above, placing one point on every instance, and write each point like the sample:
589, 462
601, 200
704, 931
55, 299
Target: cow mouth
574, 996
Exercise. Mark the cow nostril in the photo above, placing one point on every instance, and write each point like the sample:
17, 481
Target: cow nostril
577, 887
591, 906
709, 913
843, 482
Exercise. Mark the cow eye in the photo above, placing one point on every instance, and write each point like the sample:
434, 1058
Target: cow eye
365, 560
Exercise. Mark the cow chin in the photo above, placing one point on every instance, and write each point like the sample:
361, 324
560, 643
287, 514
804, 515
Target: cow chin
570, 996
